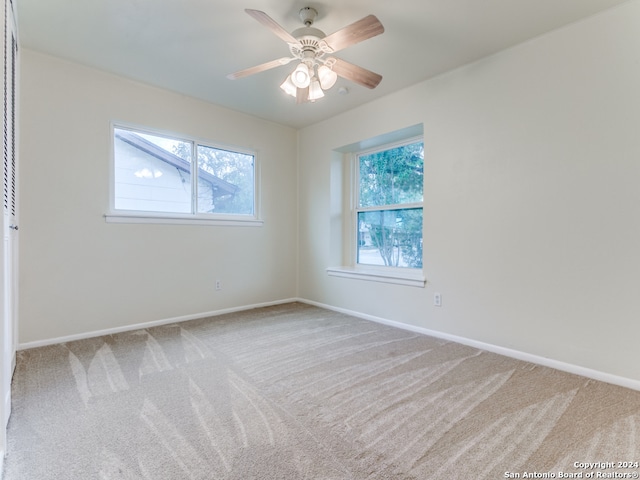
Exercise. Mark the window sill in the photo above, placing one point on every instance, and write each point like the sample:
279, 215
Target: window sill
397, 277
178, 219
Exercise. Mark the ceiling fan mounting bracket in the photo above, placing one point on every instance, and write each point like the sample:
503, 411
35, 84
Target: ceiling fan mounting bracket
308, 15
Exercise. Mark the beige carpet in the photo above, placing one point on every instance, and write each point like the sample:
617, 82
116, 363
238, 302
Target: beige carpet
298, 392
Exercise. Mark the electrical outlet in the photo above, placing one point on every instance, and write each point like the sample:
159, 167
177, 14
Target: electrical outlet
437, 299
218, 284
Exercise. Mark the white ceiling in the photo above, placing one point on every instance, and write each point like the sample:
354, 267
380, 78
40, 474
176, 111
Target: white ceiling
189, 46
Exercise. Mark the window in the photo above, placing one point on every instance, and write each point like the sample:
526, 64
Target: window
160, 176
389, 202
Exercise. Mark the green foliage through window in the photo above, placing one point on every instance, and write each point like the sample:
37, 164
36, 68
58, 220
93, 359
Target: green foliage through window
234, 168
389, 211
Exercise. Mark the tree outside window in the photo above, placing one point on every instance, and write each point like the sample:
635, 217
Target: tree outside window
389, 207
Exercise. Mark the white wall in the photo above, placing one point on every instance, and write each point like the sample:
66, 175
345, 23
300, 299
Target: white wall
532, 203
79, 274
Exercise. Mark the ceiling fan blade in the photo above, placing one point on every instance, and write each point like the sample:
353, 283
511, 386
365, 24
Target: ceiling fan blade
358, 31
356, 74
302, 95
271, 24
260, 68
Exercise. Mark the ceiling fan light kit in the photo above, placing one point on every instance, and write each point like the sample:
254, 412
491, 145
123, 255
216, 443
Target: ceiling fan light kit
327, 77
315, 90
288, 87
316, 70
301, 76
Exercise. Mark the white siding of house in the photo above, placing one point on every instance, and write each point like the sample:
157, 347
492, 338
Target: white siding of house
163, 189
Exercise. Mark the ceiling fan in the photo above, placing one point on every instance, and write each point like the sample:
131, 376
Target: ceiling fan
317, 70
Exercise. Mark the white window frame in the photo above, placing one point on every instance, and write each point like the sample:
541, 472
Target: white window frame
133, 216
378, 273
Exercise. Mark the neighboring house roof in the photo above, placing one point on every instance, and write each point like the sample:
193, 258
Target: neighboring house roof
219, 186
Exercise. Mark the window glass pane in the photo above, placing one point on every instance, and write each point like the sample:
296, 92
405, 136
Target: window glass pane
390, 237
226, 181
152, 173
391, 177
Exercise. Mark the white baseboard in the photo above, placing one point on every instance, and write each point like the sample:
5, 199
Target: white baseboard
155, 323
527, 357
507, 352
